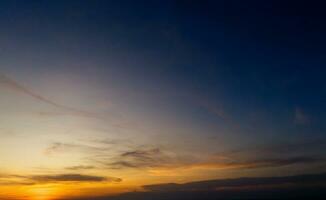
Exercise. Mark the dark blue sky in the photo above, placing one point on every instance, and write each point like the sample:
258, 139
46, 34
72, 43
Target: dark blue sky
265, 57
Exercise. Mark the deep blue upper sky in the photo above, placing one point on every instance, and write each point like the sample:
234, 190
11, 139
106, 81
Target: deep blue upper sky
260, 63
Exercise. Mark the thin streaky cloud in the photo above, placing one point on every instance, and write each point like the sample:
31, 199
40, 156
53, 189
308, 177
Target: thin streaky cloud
162, 161
238, 182
63, 109
213, 108
300, 117
263, 163
80, 167
72, 178
58, 147
53, 178
311, 144
14, 85
140, 159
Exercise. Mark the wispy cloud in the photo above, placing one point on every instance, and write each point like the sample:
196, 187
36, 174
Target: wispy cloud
54, 178
72, 178
141, 158
9, 179
308, 186
281, 148
253, 164
113, 119
239, 182
300, 117
212, 107
59, 147
113, 154
158, 161
80, 167
175, 170
7, 82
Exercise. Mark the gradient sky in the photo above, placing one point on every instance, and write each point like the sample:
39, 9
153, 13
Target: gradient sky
107, 96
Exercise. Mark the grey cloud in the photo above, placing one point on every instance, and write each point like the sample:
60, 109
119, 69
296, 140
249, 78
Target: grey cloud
115, 119
59, 147
124, 164
113, 142
212, 107
300, 117
151, 158
156, 158
239, 182
309, 186
281, 149
12, 84
142, 154
80, 167
49, 178
16, 183
279, 162
141, 158
71, 177
144, 158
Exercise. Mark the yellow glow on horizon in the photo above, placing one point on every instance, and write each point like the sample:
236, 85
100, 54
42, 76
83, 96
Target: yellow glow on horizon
42, 192
54, 191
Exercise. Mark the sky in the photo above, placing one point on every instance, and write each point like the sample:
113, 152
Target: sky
104, 97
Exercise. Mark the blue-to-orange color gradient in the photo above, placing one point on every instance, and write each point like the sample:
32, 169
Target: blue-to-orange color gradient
102, 98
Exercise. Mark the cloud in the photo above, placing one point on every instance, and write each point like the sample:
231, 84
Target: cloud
52, 178
115, 119
108, 154
262, 163
239, 182
213, 108
13, 85
125, 164
159, 162
294, 148
72, 177
300, 117
80, 167
156, 159
142, 154
141, 158
279, 162
9, 179
7, 183
173, 170
59, 147
311, 186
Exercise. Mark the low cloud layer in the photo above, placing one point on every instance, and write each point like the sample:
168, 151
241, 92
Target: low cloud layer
239, 182
71, 177
160, 161
54, 178
311, 186
253, 164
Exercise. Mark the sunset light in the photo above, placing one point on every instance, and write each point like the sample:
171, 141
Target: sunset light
162, 100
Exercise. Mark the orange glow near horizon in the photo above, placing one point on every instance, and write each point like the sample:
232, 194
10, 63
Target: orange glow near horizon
43, 192
58, 191
33, 192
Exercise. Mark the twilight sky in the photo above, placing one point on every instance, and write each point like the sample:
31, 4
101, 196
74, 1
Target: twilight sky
108, 96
